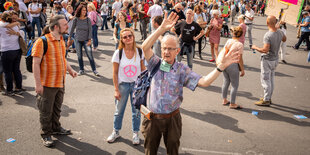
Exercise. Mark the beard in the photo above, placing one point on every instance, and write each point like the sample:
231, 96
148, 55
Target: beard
63, 32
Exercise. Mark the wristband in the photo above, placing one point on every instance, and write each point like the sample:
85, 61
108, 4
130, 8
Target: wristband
218, 69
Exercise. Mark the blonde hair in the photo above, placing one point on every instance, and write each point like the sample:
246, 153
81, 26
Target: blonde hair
121, 44
69, 6
237, 31
242, 17
215, 12
92, 6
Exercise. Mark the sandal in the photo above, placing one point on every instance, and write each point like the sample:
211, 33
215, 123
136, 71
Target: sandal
235, 107
226, 104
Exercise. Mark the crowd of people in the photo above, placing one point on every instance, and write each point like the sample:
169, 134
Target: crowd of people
169, 31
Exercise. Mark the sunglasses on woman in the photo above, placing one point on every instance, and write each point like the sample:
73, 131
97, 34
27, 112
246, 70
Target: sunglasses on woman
128, 37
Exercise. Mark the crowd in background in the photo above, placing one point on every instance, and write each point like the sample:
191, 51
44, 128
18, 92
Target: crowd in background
195, 21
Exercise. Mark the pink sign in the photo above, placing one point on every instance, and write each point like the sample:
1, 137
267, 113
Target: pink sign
130, 70
290, 1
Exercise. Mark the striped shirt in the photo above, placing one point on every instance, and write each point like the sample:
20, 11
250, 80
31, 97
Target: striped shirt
54, 65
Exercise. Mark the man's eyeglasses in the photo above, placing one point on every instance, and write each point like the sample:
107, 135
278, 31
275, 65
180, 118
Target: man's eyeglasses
128, 37
168, 49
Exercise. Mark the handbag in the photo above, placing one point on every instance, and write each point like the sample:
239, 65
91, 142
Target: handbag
28, 26
200, 21
23, 46
208, 31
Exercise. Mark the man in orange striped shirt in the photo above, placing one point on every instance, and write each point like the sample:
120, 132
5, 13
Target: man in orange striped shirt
49, 73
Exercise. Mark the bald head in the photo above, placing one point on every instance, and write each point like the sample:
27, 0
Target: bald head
271, 20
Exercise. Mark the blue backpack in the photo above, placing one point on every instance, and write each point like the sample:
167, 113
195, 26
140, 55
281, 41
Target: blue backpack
29, 51
142, 86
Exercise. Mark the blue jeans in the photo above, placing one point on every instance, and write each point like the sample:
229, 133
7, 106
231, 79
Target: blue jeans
89, 53
66, 36
116, 45
226, 20
95, 35
189, 50
105, 22
126, 90
36, 21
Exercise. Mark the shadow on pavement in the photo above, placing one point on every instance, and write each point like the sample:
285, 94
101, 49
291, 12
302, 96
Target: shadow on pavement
246, 67
105, 44
69, 145
299, 66
101, 79
268, 115
290, 110
138, 147
220, 120
27, 99
109, 52
239, 93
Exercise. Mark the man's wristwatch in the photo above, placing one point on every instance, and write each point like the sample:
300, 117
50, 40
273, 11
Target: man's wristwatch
218, 69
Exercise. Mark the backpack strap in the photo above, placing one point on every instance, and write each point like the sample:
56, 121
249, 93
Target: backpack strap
44, 44
155, 69
120, 54
140, 52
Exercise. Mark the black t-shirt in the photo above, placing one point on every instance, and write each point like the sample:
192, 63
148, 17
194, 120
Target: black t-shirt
188, 31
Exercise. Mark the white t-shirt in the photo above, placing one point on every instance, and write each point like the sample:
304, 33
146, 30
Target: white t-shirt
117, 7
249, 14
8, 42
155, 10
129, 69
34, 7
22, 6
104, 9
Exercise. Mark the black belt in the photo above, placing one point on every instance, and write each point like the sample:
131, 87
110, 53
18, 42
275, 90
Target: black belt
248, 23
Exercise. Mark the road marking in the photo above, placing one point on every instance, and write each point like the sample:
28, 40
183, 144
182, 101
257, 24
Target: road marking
209, 151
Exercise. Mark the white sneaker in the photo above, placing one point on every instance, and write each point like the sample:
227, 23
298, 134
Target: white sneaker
113, 136
135, 138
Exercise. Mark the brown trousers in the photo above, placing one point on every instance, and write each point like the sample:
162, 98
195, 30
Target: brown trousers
49, 105
169, 128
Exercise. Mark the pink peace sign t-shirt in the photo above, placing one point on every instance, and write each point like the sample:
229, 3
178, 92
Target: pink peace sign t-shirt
129, 69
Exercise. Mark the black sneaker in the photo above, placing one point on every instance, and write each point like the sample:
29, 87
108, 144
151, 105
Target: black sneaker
48, 141
8, 93
284, 61
18, 91
62, 131
294, 48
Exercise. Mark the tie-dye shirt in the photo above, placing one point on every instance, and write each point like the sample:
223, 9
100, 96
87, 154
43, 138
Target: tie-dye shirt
166, 92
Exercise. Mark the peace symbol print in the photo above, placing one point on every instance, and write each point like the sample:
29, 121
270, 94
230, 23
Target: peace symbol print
130, 70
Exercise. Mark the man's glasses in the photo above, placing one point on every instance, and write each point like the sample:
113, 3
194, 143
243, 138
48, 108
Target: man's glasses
168, 49
128, 37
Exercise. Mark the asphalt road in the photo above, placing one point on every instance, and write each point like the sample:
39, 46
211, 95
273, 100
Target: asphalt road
208, 127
